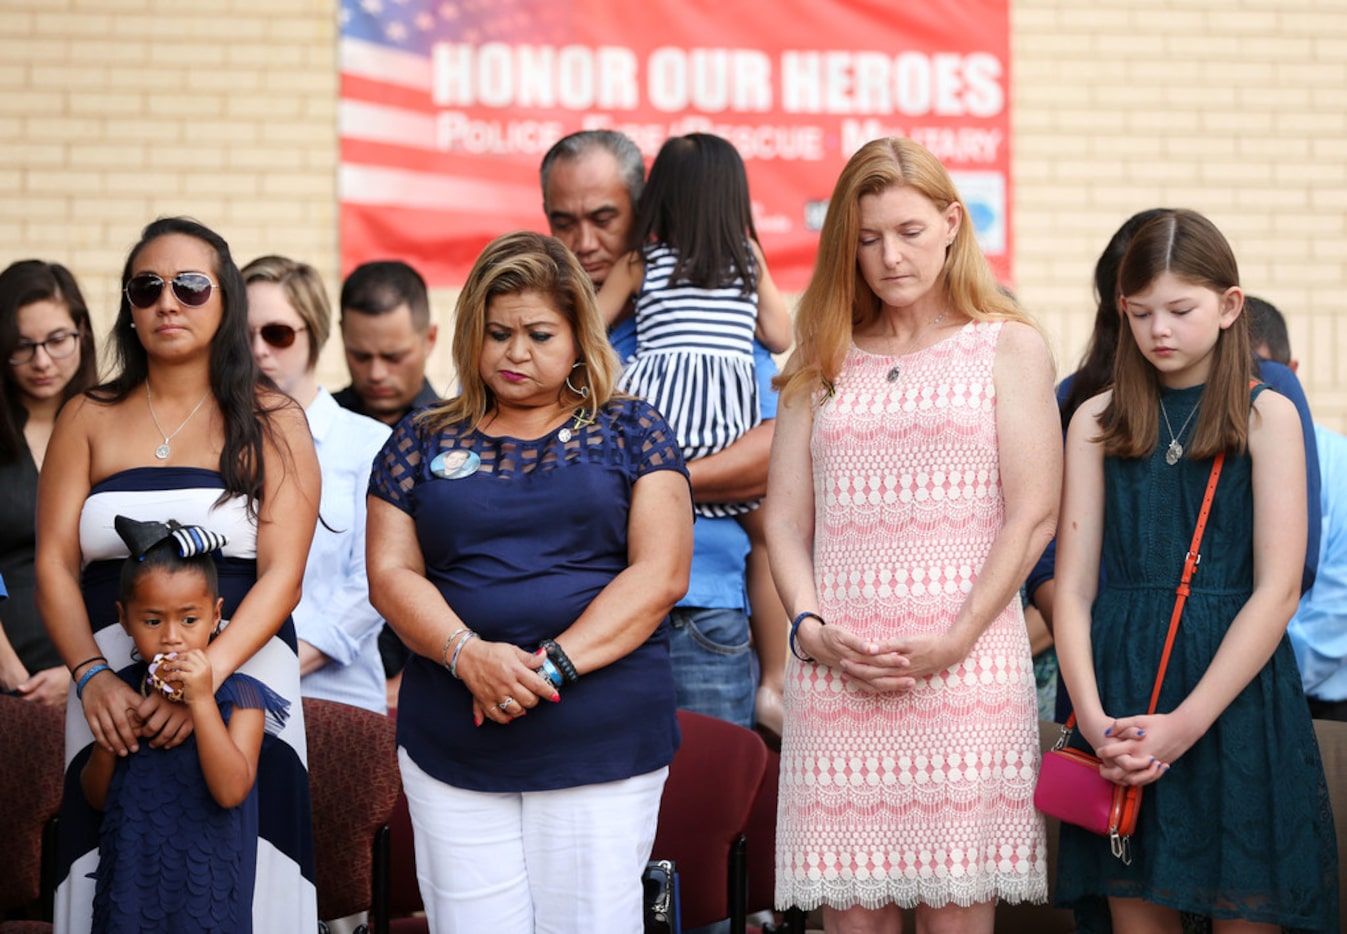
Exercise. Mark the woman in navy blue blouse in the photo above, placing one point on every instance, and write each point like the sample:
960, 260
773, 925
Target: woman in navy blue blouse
527, 540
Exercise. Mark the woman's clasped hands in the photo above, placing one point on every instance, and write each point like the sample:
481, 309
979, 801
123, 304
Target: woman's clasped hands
505, 681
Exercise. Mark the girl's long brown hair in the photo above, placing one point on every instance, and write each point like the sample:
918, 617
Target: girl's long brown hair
1189, 246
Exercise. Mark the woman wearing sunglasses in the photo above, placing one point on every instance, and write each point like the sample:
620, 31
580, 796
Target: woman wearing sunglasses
185, 429
290, 319
48, 350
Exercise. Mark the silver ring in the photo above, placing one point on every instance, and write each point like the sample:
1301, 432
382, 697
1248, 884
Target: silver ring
505, 704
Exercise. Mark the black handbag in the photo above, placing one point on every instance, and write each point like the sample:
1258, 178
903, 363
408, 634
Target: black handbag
659, 884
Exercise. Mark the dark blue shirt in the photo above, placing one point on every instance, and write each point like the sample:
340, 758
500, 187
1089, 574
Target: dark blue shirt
519, 548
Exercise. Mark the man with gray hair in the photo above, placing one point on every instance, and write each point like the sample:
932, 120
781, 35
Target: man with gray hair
591, 183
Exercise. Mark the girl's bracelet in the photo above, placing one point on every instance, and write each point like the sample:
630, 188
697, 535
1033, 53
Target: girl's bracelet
795, 631
96, 658
84, 679
458, 649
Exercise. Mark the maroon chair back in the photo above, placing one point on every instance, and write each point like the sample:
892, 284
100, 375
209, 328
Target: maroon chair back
354, 784
404, 895
761, 834
32, 775
713, 781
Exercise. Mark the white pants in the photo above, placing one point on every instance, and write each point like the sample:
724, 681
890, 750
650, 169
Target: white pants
538, 862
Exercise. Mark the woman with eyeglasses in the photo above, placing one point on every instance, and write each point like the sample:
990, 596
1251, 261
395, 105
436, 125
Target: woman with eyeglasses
48, 347
184, 429
289, 319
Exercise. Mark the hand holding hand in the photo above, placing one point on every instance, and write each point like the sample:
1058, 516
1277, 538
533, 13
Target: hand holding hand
497, 671
929, 654
107, 700
1138, 750
873, 665
166, 724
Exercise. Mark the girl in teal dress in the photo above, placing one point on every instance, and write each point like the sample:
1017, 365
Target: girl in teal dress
1235, 823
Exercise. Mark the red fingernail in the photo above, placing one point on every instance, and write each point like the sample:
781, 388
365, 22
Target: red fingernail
556, 698
477, 719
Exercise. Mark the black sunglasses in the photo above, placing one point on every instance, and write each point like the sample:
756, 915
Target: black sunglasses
279, 336
191, 289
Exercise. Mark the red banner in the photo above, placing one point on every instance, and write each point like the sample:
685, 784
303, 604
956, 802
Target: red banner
447, 109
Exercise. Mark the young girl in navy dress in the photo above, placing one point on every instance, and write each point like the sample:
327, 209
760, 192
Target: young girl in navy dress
178, 842
1236, 824
702, 292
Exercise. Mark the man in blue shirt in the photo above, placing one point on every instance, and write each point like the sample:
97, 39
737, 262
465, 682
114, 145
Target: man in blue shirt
591, 182
1318, 631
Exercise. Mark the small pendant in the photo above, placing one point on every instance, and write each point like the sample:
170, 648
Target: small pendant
1174, 453
161, 452
893, 374
455, 465
564, 435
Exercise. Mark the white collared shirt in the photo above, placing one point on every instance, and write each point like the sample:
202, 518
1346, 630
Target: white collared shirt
334, 615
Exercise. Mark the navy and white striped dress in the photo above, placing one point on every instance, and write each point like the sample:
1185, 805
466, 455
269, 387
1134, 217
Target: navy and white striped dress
694, 362
283, 900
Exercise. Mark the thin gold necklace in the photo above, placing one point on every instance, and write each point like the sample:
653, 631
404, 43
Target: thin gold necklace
897, 370
163, 450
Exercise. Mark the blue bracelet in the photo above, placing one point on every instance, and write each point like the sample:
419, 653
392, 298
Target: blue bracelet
551, 672
84, 678
795, 629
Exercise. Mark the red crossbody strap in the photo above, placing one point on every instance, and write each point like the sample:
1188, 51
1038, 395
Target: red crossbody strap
1189, 566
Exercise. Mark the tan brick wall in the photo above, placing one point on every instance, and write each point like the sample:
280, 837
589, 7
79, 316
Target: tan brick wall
1238, 110
109, 115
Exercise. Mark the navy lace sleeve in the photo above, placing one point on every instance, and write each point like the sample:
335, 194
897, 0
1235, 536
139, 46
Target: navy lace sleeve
659, 448
398, 465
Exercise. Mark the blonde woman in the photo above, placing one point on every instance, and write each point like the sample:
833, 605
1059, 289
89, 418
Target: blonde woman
914, 481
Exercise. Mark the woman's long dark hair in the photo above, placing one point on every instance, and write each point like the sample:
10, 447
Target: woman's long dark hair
22, 283
696, 201
234, 376
1095, 373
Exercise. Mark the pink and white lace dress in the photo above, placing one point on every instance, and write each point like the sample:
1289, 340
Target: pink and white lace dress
924, 796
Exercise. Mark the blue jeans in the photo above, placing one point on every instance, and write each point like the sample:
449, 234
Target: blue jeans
713, 663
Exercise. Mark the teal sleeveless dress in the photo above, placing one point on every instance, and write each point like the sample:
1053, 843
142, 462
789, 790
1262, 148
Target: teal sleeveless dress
1240, 826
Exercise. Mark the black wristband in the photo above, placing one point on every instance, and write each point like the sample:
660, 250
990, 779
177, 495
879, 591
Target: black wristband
561, 660
96, 658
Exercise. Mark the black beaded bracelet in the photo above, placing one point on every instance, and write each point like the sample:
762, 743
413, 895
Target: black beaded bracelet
96, 658
561, 660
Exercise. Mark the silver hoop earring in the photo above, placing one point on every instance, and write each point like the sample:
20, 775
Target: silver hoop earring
583, 391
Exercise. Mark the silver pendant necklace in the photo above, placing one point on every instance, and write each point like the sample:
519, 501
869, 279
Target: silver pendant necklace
1174, 453
896, 370
163, 450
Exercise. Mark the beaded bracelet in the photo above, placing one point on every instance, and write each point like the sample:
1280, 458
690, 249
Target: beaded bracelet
551, 672
453, 662
448, 643
84, 678
561, 660
96, 658
795, 630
